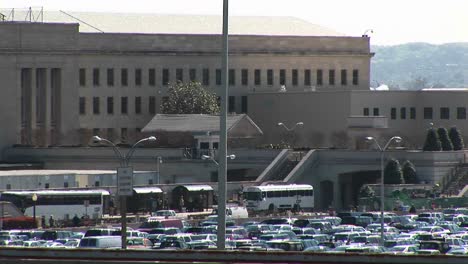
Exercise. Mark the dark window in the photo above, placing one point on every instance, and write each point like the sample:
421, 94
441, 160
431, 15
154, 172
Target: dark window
47, 186
123, 134
412, 113
96, 183
232, 104
152, 77
307, 79
124, 77
245, 76
282, 77
96, 131
366, 111
232, 77
344, 77
444, 113
294, 77
461, 113
258, 77
355, 77
376, 111
124, 105
8, 186
193, 75
179, 73
96, 105
110, 105
427, 112
152, 105
165, 76
206, 76
82, 77
270, 77
65, 184
218, 77
138, 77
96, 77
393, 113
138, 105
244, 104
331, 77
110, 77
319, 77
82, 105
403, 113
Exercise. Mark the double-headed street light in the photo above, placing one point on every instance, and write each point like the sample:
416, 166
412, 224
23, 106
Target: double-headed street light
124, 160
206, 157
292, 128
289, 131
382, 196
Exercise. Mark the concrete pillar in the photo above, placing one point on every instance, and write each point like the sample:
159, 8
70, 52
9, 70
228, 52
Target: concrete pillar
32, 109
47, 107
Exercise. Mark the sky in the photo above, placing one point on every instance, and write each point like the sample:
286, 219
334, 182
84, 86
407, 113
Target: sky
391, 21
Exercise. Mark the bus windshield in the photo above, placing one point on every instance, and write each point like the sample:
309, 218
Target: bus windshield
253, 196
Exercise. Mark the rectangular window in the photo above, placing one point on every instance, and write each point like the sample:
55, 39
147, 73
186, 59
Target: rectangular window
232, 104
193, 75
258, 77
307, 79
319, 77
282, 77
427, 112
403, 112
96, 77
110, 105
461, 113
124, 105
82, 77
355, 77
82, 106
245, 76
412, 113
331, 77
218, 77
294, 77
232, 77
65, 185
444, 113
376, 111
110, 77
344, 77
124, 77
244, 104
270, 77
96, 105
165, 77
151, 77
138, 105
179, 73
365, 111
137, 77
152, 105
206, 76
393, 113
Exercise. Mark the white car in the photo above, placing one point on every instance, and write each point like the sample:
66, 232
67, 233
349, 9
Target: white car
404, 250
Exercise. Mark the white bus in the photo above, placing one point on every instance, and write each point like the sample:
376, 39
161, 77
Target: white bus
60, 203
279, 197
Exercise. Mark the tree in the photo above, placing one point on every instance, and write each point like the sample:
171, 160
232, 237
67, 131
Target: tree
409, 172
456, 138
444, 139
432, 141
366, 191
190, 98
393, 173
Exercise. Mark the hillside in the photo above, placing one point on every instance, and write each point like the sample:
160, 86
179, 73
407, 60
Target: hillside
417, 65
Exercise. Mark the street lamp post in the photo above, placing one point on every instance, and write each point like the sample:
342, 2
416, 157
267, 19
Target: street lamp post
290, 130
124, 160
34, 200
206, 157
382, 196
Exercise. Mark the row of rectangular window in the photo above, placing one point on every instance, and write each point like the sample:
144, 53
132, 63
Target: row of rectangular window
205, 78
428, 112
123, 105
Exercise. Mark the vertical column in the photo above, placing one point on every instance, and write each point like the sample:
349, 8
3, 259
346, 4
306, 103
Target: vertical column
42, 94
26, 110
55, 101
47, 106
32, 101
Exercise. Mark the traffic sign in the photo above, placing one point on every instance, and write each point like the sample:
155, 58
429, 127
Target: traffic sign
125, 181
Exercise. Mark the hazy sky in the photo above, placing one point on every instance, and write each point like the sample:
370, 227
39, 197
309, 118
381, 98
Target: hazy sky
392, 21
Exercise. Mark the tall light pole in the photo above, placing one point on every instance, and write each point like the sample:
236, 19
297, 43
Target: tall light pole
34, 200
382, 196
124, 160
289, 130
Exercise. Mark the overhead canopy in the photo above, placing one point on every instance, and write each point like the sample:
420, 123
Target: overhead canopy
145, 190
238, 126
197, 188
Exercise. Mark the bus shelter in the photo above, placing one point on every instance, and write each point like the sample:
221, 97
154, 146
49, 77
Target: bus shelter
146, 199
192, 198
